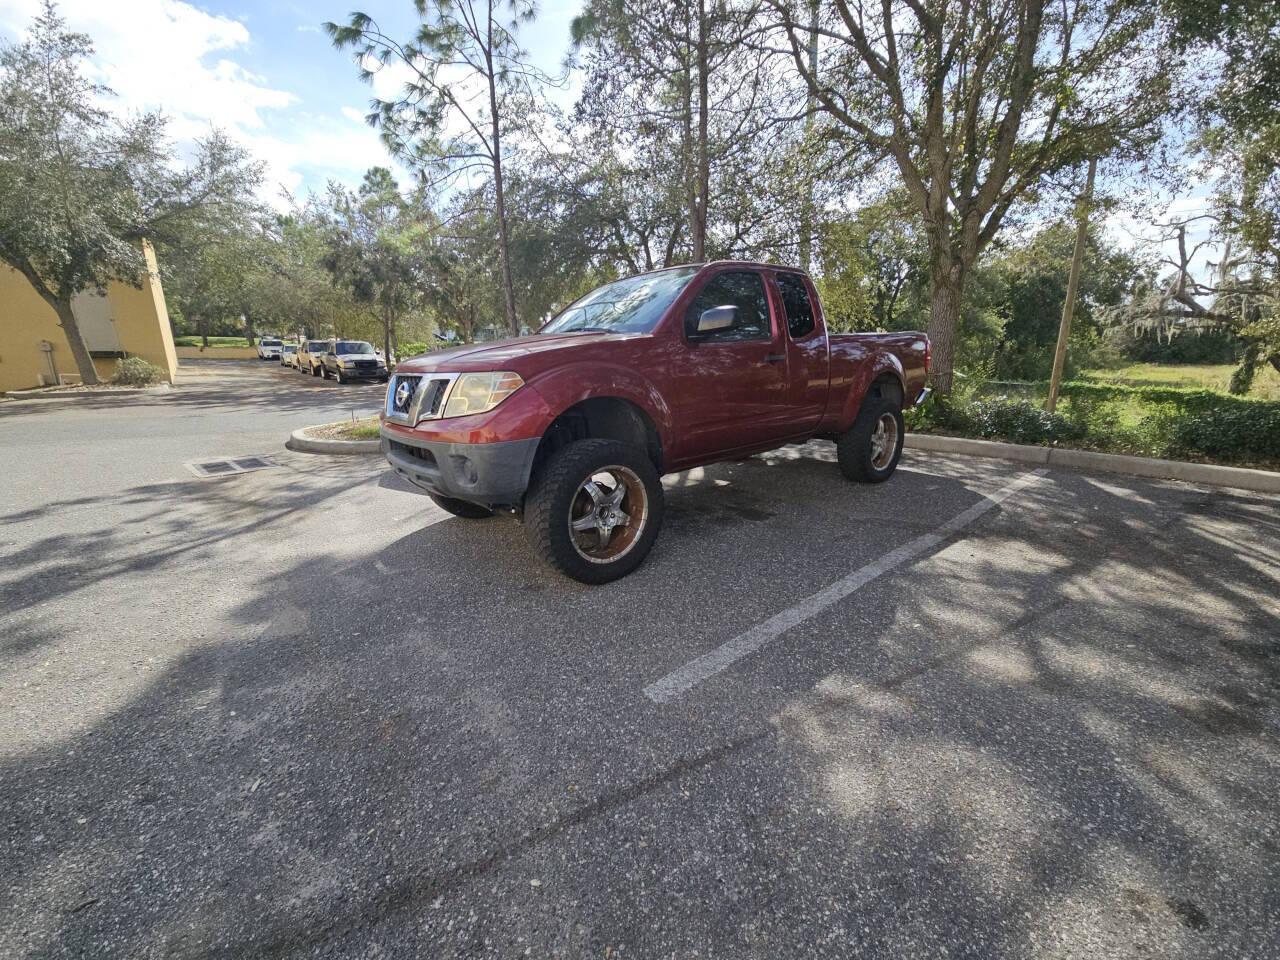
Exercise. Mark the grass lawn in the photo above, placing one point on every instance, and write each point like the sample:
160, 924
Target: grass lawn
213, 342
1266, 385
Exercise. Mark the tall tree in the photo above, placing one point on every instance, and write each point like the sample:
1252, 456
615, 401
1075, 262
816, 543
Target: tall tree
375, 239
679, 82
871, 263
469, 87
80, 191
1238, 44
976, 103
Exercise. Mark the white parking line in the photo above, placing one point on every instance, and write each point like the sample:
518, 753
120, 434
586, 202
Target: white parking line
709, 664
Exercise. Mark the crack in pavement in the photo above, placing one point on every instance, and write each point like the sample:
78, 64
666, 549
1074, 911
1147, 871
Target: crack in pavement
418, 889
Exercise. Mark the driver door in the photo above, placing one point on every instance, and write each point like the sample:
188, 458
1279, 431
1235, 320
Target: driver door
731, 387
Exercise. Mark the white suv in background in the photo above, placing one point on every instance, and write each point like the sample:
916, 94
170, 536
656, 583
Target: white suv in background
269, 348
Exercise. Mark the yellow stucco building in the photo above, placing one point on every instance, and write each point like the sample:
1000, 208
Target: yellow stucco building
127, 321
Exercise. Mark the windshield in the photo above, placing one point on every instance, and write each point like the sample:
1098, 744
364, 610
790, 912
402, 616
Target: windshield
288, 348
633, 305
317, 346
353, 346
271, 343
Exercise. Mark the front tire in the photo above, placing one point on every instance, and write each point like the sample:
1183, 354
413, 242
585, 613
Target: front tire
868, 451
594, 510
461, 508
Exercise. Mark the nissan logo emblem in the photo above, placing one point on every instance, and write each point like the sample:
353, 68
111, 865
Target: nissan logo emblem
403, 392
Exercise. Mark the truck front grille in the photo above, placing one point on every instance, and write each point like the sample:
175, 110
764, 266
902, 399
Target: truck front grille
432, 399
412, 397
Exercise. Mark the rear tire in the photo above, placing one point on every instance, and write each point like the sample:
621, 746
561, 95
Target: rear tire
868, 452
461, 508
594, 510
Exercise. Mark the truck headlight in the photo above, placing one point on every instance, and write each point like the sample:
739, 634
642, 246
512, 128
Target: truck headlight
480, 392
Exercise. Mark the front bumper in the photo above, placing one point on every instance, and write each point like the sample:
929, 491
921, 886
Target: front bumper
364, 373
491, 474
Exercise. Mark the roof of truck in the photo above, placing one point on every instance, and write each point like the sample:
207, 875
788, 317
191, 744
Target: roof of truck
753, 264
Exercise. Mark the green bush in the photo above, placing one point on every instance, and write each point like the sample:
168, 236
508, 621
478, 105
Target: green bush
1233, 434
1207, 347
136, 372
1147, 421
1017, 421
412, 349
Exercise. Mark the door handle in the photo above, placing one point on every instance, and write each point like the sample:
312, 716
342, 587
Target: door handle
776, 357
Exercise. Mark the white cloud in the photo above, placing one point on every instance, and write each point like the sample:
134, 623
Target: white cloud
158, 57
325, 146
171, 56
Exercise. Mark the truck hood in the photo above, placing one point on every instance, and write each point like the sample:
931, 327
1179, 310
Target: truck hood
519, 354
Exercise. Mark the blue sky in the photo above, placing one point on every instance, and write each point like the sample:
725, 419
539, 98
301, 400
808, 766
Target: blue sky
264, 71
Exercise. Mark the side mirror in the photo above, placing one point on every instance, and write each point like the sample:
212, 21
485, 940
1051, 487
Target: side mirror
717, 319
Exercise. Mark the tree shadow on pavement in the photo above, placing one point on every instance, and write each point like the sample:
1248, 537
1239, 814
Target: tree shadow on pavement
1048, 737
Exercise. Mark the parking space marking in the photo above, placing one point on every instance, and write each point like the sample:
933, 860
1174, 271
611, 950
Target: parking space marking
682, 680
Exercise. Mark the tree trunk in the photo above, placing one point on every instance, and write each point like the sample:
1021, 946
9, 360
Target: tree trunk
248, 327
806, 202
75, 340
703, 160
944, 318
508, 287
386, 336
688, 149
1242, 377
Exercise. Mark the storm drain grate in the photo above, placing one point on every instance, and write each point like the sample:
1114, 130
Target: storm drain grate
228, 467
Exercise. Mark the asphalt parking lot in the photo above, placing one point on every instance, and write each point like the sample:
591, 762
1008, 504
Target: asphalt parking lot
299, 711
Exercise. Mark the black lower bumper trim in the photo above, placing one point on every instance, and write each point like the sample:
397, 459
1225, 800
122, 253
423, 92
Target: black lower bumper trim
486, 473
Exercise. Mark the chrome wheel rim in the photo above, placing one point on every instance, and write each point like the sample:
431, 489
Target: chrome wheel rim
884, 441
608, 514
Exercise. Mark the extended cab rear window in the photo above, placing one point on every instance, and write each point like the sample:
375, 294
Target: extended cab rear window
795, 300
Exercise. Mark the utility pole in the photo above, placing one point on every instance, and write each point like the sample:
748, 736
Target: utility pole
1073, 283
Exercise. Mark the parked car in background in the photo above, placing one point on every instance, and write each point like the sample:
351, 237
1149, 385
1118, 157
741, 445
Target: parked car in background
573, 427
347, 360
310, 356
288, 355
269, 348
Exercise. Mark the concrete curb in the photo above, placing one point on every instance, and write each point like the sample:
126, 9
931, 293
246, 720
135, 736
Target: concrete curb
300, 442
1263, 481
54, 393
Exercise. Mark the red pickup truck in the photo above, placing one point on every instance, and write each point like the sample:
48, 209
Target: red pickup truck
571, 428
